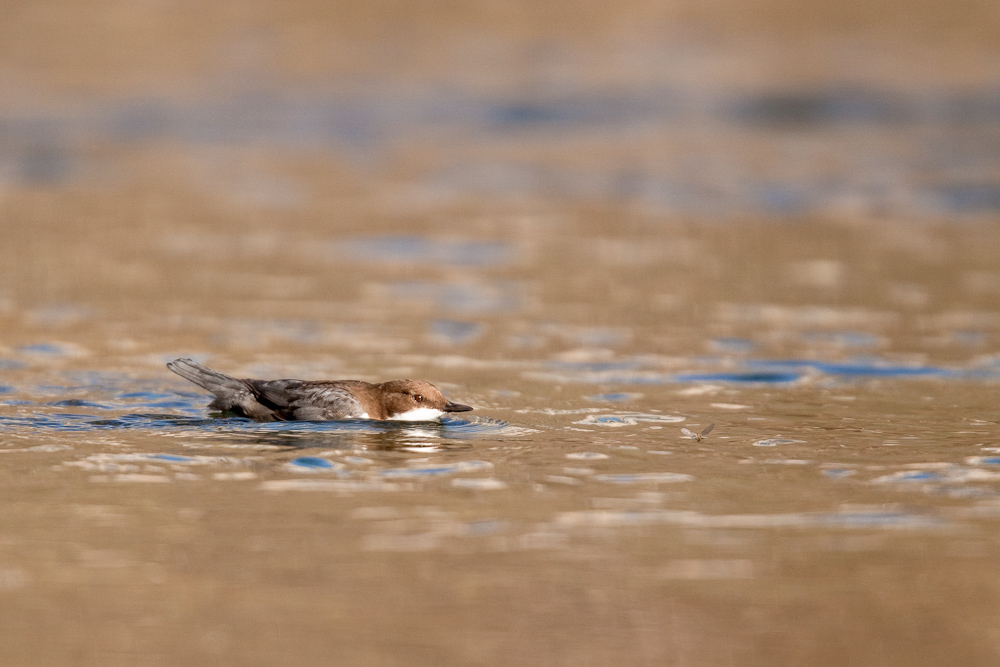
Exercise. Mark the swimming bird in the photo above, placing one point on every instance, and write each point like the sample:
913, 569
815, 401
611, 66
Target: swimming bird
306, 400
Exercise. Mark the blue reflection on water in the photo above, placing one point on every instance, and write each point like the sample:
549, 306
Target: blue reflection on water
969, 197
643, 371
759, 377
417, 249
455, 332
171, 458
615, 397
78, 403
780, 371
914, 476
148, 395
311, 462
43, 348
871, 367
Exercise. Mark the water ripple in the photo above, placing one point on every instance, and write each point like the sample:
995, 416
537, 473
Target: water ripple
628, 419
455, 428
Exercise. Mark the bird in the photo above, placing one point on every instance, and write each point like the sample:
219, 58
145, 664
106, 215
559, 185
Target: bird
310, 400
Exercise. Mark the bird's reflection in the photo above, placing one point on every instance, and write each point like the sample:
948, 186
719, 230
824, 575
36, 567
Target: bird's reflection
357, 434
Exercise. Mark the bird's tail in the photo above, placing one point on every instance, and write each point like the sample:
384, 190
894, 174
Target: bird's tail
220, 384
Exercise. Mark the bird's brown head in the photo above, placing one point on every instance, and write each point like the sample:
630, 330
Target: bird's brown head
415, 400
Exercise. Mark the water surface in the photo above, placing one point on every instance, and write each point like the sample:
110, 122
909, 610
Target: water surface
807, 263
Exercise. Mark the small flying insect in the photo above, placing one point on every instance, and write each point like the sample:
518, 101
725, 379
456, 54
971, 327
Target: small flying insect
698, 436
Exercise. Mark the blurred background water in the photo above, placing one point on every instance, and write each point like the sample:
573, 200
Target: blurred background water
599, 225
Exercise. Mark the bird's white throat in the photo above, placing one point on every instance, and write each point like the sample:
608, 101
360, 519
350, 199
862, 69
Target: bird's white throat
418, 415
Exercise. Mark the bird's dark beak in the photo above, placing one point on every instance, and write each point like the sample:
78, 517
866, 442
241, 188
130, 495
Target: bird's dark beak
456, 407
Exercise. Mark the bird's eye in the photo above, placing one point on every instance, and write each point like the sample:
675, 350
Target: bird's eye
418, 398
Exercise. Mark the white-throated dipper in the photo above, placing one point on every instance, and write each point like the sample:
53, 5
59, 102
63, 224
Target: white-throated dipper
306, 400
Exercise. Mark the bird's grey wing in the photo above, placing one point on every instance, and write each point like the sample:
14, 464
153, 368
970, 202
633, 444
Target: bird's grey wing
311, 401
231, 394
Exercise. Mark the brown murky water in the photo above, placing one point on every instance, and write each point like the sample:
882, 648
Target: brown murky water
595, 254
